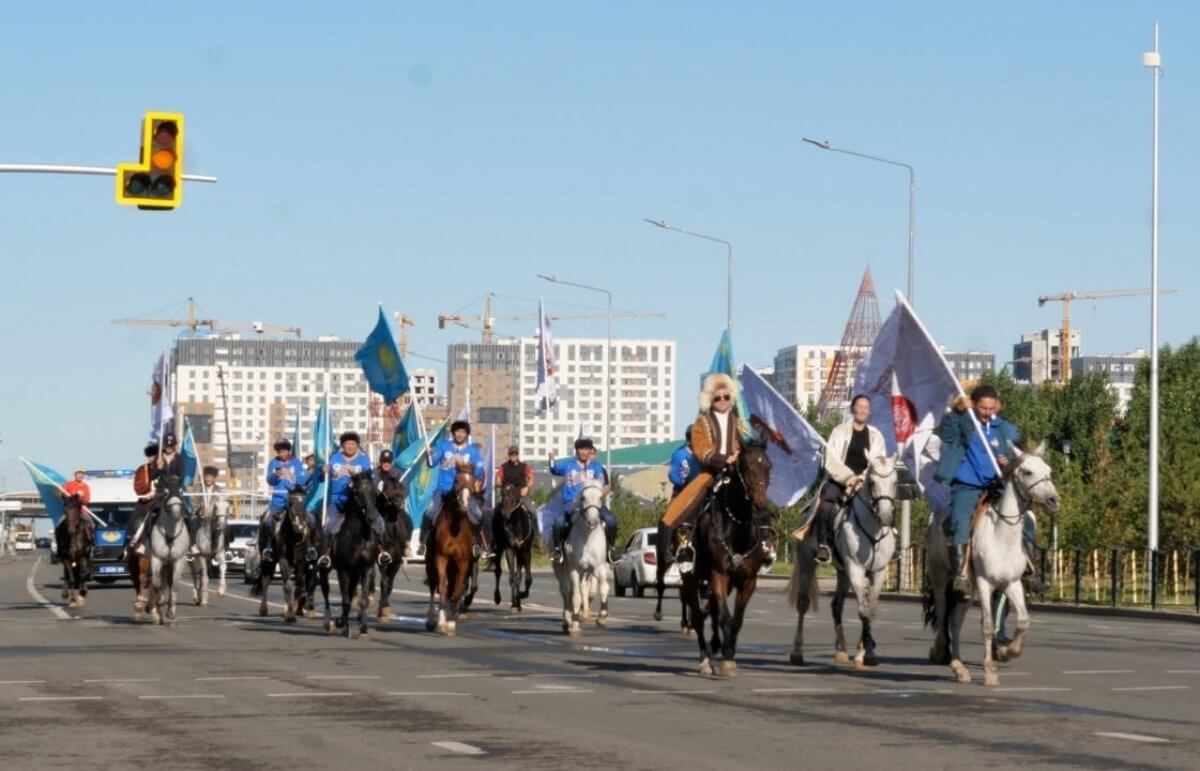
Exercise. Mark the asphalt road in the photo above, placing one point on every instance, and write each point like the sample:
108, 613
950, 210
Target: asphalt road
225, 689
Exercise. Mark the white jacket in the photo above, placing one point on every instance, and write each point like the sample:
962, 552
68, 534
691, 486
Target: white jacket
839, 444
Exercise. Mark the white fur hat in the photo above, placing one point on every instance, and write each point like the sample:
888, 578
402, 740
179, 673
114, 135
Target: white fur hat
717, 381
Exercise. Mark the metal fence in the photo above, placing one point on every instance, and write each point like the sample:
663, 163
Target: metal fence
1168, 579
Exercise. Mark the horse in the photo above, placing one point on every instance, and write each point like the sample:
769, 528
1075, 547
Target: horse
732, 542
864, 544
209, 539
74, 540
666, 557
513, 527
169, 544
997, 563
583, 571
354, 549
138, 565
290, 543
397, 531
449, 559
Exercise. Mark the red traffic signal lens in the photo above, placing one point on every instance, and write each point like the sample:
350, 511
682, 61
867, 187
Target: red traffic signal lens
166, 132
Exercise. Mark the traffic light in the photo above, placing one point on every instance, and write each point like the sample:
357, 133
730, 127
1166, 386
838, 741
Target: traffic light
156, 180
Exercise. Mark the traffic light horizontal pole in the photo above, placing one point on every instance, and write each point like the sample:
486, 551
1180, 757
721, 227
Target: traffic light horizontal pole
46, 168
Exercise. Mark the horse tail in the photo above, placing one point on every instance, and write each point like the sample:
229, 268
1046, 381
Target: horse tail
794, 583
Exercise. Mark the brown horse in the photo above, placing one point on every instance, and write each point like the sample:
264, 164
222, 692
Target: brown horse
138, 565
732, 541
449, 557
73, 537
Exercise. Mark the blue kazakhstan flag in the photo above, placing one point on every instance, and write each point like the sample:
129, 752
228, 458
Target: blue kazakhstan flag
408, 430
722, 362
191, 461
421, 478
323, 447
381, 363
49, 486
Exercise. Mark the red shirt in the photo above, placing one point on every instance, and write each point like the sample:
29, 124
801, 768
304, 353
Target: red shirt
78, 488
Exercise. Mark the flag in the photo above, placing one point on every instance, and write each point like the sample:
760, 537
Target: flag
722, 362
546, 385
160, 398
408, 430
793, 445
323, 447
49, 486
909, 384
489, 466
415, 469
381, 363
191, 460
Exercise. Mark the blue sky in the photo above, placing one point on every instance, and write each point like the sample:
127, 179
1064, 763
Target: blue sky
423, 154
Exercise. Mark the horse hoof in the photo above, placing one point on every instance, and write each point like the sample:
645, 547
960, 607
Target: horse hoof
658, 615
310, 613
841, 657
729, 668
706, 669
796, 659
575, 631
262, 610
566, 628
514, 608
990, 678
431, 625
385, 616
1002, 653
961, 673
289, 619
602, 621
65, 594
859, 664
870, 659
328, 626
686, 631
221, 591
496, 598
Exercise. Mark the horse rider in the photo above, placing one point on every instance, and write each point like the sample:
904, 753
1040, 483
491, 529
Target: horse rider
716, 445
143, 488
310, 466
209, 483
77, 487
386, 468
445, 456
683, 467
516, 473
169, 462
166, 462
284, 472
344, 464
851, 447
966, 465
576, 472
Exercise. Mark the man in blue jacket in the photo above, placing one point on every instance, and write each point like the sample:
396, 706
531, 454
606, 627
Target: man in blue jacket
284, 472
344, 464
683, 465
576, 472
966, 465
445, 456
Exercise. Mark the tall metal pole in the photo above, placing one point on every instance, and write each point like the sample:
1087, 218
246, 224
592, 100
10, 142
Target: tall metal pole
1153, 60
728, 256
905, 506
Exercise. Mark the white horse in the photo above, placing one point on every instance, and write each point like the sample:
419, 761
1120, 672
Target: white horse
169, 544
209, 540
583, 572
997, 562
865, 544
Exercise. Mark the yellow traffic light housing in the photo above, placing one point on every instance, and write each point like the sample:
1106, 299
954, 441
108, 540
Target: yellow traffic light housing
156, 180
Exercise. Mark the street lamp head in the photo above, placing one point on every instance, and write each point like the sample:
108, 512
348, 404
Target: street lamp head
656, 223
821, 143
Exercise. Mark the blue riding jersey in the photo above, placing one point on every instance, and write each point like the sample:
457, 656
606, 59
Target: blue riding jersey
977, 468
446, 455
575, 475
683, 469
341, 468
279, 490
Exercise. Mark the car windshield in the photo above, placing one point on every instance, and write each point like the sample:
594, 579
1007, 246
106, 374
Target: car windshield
114, 514
242, 531
24, 536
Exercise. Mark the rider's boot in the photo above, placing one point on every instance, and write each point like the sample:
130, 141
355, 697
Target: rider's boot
1033, 567
264, 542
326, 547
559, 536
610, 539
824, 553
960, 563
423, 538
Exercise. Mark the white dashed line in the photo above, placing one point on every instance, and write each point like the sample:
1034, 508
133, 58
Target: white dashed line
114, 680
61, 698
1033, 689
22, 682
426, 693
453, 675
1097, 671
459, 747
909, 691
652, 674
1133, 737
230, 678
1152, 688
1183, 671
551, 691
655, 692
169, 697
311, 695
342, 677
793, 690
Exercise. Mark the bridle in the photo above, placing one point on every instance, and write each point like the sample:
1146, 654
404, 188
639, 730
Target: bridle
736, 558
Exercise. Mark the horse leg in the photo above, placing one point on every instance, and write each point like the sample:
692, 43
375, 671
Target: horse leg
1016, 598
857, 578
346, 588
660, 570
222, 589
837, 605
443, 591
873, 590
577, 601
734, 627
602, 581
991, 669
364, 603
457, 598
385, 592
525, 559
689, 591
721, 618
155, 599
956, 616
267, 572
289, 602
323, 581
203, 560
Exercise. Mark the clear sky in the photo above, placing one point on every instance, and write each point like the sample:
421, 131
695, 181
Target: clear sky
423, 154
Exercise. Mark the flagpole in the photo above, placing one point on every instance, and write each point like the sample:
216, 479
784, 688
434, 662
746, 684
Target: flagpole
325, 465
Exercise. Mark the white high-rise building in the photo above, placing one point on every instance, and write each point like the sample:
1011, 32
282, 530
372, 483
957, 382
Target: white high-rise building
801, 372
642, 399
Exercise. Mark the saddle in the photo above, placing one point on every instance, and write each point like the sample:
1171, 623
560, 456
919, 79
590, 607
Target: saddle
685, 505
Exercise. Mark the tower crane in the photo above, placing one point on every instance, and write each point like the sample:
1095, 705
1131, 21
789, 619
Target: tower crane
487, 320
193, 323
405, 321
1064, 343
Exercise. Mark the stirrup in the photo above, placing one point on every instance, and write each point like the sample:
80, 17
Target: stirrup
824, 554
324, 561
310, 554
557, 556
384, 559
268, 554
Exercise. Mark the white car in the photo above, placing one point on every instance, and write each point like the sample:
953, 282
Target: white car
241, 535
638, 566
23, 542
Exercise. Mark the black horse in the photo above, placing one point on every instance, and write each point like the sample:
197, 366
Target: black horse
293, 546
397, 532
353, 553
666, 558
513, 527
74, 539
732, 542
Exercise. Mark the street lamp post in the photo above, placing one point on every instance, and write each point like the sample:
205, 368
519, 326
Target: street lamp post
608, 385
905, 506
729, 257
1153, 60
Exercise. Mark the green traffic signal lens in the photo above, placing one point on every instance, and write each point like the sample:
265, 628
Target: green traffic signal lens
163, 187
137, 185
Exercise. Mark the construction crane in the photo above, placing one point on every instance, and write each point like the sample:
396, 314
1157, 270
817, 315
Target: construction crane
193, 323
405, 321
488, 321
1064, 343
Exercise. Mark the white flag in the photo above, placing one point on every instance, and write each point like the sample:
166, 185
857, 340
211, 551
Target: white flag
793, 446
160, 398
547, 384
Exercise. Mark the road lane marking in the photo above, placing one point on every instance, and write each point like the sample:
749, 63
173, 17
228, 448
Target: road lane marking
1032, 689
342, 677
1183, 671
172, 696
1097, 671
1133, 737
230, 678
460, 747
552, 691
1152, 688
453, 675
793, 690
61, 698
652, 674
910, 691
311, 695
427, 693
656, 692
110, 680
41, 600
22, 682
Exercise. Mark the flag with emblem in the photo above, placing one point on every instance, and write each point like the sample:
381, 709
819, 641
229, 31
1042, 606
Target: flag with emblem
191, 460
49, 486
381, 363
546, 385
160, 398
324, 446
415, 468
722, 362
793, 445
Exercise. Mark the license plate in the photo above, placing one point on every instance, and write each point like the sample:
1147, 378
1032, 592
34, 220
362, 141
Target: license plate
111, 569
